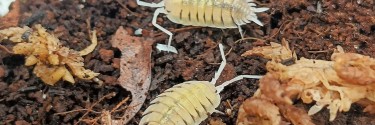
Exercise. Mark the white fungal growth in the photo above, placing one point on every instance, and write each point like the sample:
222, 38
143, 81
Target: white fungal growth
207, 13
4, 6
188, 103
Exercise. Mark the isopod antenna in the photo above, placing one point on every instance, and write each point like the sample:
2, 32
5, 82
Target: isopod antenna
220, 70
154, 5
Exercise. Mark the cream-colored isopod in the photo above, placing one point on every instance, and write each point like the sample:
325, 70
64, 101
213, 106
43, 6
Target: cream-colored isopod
208, 13
188, 103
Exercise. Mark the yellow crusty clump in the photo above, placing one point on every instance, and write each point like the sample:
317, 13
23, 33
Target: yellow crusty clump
53, 61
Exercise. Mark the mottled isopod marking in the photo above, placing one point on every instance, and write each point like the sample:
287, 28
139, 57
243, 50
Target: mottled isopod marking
188, 103
209, 13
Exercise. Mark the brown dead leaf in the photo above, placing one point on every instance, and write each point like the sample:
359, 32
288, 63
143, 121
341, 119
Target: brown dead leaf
276, 52
12, 18
46, 52
135, 68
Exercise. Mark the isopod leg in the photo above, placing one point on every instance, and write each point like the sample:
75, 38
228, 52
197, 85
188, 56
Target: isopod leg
241, 31
221, 87
222, 65
162, 47
141, 3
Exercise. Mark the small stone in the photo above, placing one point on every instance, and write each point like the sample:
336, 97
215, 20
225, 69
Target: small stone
22, 122
132, 4
106, 55
116, 63
111, 80
2, 71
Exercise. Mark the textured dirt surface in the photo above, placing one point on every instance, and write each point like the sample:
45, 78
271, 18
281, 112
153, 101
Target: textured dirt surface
312, 32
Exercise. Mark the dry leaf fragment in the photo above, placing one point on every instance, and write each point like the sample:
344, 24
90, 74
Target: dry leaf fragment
13, 34
135, 68
92, 46
46, 52
276, 52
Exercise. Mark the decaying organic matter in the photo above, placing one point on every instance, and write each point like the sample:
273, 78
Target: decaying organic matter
271, 107
335, 84
311, 34
276, 52
53, 61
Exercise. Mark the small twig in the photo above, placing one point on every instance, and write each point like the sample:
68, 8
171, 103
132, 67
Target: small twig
120, 104
316, 31
92, 106
230, 105
322, 51
249, 38
116, 107
124, 116
5, 49
77, 110
230, 50
88, 22
278, 31
214, 63
119, 110
123, 6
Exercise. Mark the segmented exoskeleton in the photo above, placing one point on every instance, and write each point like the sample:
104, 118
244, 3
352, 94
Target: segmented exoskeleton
209, 13
188, 103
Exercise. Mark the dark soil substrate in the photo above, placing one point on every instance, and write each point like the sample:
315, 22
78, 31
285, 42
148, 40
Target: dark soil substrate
311, 33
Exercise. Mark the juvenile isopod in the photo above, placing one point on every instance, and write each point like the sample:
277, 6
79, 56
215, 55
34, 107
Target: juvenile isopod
188, 103
207, 13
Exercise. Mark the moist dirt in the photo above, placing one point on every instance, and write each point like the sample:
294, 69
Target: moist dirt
313, 29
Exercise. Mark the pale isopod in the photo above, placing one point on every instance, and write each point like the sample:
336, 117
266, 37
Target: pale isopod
188, 103
209, 13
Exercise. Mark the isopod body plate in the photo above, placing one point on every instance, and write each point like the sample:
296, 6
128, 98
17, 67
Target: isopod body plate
188, 103
212, 13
